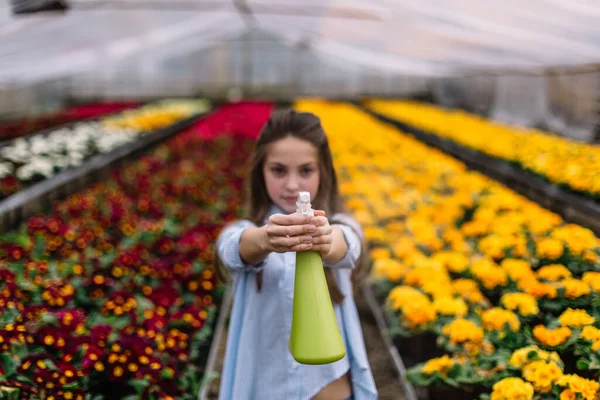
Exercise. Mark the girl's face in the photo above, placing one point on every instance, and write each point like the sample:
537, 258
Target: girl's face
291, 166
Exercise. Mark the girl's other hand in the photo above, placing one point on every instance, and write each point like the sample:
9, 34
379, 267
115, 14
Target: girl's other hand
293, 232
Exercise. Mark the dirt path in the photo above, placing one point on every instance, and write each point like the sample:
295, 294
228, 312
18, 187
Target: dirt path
386, 379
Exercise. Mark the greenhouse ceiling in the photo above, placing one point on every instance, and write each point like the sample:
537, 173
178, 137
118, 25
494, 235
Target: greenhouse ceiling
413, 37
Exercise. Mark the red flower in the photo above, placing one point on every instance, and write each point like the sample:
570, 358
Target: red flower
36, 224
6, 276
154, 322
119, 303
131, 257
99, 334
165, 295
33, 362
93, 354
192, 316
164, 246
25, 391
14, 252
9, 185
54, 337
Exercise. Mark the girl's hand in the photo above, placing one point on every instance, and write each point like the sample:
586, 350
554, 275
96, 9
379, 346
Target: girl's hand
322, 237
293, 232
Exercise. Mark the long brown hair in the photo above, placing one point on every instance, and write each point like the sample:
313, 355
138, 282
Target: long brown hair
305, 126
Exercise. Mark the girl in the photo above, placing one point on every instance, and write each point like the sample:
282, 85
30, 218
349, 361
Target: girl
292, 155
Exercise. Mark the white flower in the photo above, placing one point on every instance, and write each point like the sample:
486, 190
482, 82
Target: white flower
5, 169
38, 166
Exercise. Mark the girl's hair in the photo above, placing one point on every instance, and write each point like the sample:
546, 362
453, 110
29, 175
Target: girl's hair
305, 126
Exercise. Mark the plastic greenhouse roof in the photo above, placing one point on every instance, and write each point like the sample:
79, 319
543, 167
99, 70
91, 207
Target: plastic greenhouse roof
413, 37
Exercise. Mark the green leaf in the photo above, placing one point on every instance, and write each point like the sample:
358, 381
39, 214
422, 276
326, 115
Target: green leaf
48, 319
74, 385
166, 374
132, 397
38, 250
414, 375
583, 364
24, 379
139, 385
50, 364
8, 364
20, 350
107, 258
197, 267
143, 303
9, 393
451, 382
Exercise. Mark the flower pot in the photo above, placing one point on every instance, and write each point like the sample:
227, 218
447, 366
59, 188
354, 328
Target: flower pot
451, 393
418, 348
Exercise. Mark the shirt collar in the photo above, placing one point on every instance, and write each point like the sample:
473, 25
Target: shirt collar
274, 209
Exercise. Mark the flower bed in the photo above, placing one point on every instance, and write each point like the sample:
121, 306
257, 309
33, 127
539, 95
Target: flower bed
15, 128
26, 161
571, 165
113, 295
509, 290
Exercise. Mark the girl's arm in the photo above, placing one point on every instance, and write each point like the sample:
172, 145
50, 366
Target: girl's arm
282, 233
253, 245
340, 245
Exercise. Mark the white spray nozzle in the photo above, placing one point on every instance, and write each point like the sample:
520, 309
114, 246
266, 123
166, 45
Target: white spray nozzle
303, 204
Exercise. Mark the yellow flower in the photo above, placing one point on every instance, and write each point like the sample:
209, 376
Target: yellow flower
554, 272
475, 228
525, 303
549, 248
450, 306
390, 269
380, 253
426, 273
590, 333
579, 239
374, 234
574, 288
542, 374
517, 269
437, 289
559, 159
525, 355
512, 389
453, 261
567, 395
418, 313
493, 246
578, 385
403, 247
551, 337
462, 330
536, 288
592, 278
490, 274
440, 365
575, 318
468, 290
402, 295
496, 318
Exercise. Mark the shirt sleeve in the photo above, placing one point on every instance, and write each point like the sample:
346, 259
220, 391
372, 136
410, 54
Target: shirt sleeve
228, 248
353, 236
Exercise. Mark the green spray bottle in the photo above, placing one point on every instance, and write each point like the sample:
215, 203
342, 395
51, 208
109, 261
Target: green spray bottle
315, 336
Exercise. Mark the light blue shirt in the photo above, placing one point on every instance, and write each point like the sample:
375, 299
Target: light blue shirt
258, 364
